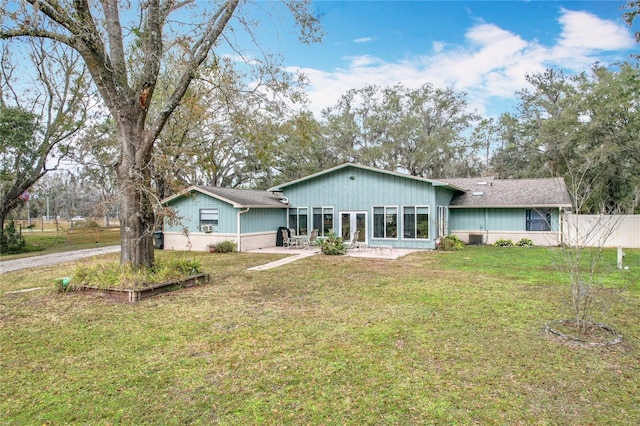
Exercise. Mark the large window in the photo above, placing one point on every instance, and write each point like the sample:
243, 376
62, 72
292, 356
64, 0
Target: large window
385, 222
323, 219
298, 220
209, 219
538, 220
415, 222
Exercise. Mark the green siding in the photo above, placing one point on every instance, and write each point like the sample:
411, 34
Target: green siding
443, 196
355, 189
259, 220
502, 219
366, 189
255, 220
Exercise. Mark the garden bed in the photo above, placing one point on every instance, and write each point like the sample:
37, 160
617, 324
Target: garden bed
591, 334
135, 295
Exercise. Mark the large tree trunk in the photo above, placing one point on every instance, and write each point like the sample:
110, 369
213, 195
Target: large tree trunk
137, 219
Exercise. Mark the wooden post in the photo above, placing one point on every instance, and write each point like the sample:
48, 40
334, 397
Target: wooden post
620, 257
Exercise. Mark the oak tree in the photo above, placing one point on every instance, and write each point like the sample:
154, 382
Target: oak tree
124, 45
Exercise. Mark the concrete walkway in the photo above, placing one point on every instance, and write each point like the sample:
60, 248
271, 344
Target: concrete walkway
299, 254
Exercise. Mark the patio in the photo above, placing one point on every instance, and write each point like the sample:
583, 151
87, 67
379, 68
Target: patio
301, 253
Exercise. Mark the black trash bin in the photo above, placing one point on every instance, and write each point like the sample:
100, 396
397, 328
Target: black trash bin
279, 240
158, 239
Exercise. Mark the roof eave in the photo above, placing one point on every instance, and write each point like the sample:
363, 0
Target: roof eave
179, 194
372, 169
234, 204
262, 206
509, 206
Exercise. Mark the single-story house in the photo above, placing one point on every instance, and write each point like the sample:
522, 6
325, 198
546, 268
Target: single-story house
210, 215
491, 209
387, 208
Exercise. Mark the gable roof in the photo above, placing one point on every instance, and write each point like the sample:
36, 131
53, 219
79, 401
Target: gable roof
239, 198
361, 167
492, 192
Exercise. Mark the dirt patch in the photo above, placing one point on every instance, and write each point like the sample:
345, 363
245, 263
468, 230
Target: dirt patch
585, 333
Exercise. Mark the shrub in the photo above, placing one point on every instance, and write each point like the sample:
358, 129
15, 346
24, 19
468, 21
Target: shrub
451, 243
12, 241
113, 275
503, 243
333, 245
85, 223
226, 247
525, 242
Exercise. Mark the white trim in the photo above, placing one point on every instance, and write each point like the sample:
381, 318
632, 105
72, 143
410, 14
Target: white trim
239, 237
415, 207
373, 227
322, 208
353, 223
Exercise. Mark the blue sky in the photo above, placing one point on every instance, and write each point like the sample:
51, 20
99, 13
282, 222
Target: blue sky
483, 48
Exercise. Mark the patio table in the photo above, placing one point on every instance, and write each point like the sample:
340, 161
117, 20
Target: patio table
302, 240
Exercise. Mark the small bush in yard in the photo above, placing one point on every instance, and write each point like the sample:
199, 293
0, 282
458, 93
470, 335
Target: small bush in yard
503, 243
12, 241
226, 247
333, 245
451, 243
525, 242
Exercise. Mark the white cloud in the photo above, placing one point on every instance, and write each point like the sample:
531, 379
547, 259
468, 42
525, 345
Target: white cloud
491, 65
364, 40
585, 31
583, 35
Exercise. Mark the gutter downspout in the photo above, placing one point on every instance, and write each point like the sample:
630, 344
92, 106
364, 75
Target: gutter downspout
238, 236
561, 226
486, 230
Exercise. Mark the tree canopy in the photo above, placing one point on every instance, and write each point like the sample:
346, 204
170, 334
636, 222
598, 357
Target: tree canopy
37, 123
125, 46
419, 130
584, 128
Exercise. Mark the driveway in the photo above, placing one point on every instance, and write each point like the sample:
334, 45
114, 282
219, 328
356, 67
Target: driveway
53, 258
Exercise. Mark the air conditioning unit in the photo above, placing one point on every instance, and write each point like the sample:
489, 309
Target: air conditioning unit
206, 228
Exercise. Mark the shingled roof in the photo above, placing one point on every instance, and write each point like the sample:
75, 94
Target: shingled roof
240, 198
492, 192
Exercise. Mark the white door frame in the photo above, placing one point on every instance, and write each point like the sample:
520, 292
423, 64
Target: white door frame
353, 224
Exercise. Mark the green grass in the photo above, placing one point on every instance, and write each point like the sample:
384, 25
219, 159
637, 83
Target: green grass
432, 338
51, 241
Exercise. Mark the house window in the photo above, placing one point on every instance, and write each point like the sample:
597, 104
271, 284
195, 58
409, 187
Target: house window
209, 220
298, 220
385, 222
538, 220
415, 222
323, 219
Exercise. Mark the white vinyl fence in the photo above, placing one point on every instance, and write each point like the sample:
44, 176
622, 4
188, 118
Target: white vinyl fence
601, 230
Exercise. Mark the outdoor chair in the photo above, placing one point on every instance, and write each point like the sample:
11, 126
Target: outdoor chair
286, 241
313, 237
354, 244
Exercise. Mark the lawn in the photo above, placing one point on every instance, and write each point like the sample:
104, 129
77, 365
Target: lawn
48, 240
432, 338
